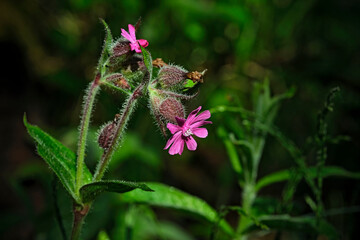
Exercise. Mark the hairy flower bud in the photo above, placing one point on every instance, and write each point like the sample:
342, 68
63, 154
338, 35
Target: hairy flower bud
118, 80
121, 48
119, 53
107, 133
171, 76
171, 108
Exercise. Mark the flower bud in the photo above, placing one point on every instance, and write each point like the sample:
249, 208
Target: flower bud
171, 76
118, 80
120, 48
119, 52
107, 133
171, 108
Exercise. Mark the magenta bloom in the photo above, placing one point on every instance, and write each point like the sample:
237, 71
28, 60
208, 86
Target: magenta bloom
134, 43
185, 129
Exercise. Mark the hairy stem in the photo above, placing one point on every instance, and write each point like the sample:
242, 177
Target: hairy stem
84, 127
125, 116
80, 213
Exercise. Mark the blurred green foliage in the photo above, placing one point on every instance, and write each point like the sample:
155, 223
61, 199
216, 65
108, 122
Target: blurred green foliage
51, 50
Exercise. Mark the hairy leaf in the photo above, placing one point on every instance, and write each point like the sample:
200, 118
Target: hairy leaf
170, 197
60, 159
326, 171
90, 191
147, 61
106, 48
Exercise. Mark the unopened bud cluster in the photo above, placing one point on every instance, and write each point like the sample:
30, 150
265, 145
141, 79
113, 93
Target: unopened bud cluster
167, 91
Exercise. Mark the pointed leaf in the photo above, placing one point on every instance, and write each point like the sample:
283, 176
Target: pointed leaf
90, 191
147, 61
107, 45
60, 159
170, 197
327, 171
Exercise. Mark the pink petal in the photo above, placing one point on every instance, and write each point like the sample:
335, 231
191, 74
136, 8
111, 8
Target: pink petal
202, 116
191, 143
200, 132
199, 124
126, 35
133, 46
138, 49
173, 128
192, 115
132, 31
180, 121
172, 139
144, 43
177, 147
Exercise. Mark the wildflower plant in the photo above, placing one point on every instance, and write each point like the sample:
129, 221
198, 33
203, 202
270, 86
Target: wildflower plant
124, 66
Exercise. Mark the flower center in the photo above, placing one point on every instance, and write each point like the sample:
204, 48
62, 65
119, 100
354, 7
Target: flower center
187, 133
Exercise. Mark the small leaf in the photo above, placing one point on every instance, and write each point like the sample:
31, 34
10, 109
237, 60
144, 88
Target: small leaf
147, 61
300, 224
170, 197
189, 84
326, 171
60, 159
90, 191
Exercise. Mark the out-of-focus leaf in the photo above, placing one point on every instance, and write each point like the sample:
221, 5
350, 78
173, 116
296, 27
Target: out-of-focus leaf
90, 191
327, 171
147, 61
231, 150
103, 236
274, 103
143, 223
60, 159
301, 224
170, 197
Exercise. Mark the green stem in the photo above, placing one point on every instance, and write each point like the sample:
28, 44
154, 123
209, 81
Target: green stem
80, 213
125, 116
248, 198
84, 128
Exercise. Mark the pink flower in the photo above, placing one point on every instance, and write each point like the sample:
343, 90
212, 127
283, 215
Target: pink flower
185, 129
134, 43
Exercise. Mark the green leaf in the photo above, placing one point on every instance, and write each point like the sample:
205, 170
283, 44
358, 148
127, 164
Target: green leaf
300, 224
106, 48
147, 61
90, 191
170, 197
326, 171
189, 84
60, 159
231, 150
103, 236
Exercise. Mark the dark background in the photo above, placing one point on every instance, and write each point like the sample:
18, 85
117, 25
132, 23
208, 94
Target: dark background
49, 51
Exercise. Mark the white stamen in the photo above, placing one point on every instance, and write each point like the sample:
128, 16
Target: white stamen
187, 133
